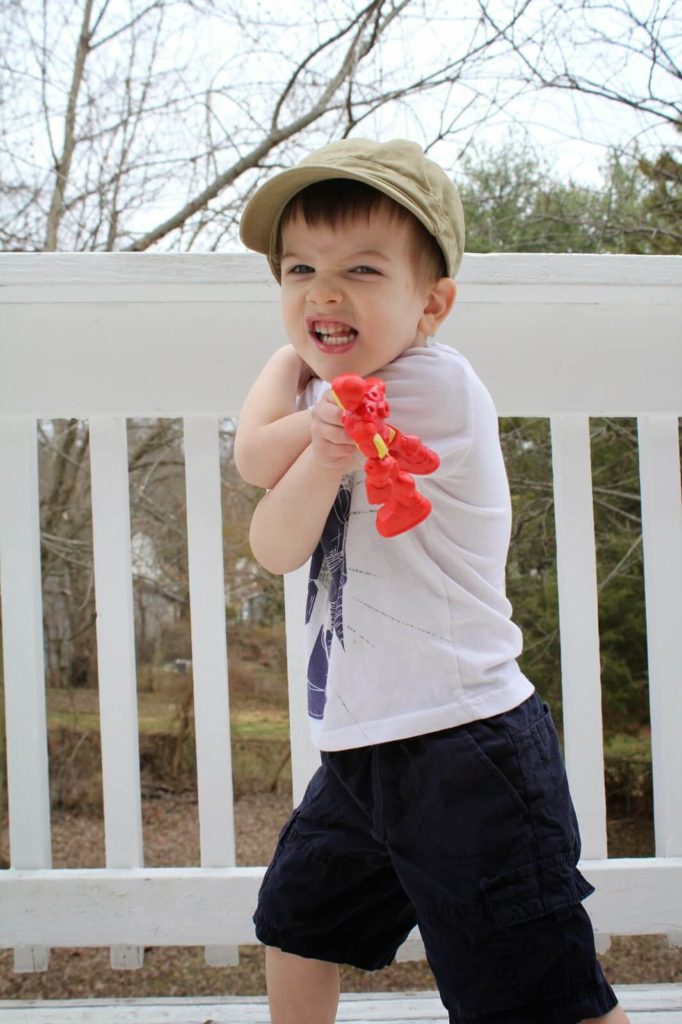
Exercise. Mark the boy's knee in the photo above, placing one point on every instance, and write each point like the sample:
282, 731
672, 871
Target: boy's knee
301, 990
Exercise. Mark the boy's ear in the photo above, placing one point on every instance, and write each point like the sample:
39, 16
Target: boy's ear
440, 299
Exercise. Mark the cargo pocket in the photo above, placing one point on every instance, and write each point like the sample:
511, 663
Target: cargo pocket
553, 887
540, 935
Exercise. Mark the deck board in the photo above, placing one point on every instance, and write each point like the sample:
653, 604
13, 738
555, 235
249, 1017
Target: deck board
645, 1004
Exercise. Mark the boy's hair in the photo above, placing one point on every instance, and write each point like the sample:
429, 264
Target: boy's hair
335, 201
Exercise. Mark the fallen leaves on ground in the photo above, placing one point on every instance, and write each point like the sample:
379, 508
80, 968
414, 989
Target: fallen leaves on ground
171, 837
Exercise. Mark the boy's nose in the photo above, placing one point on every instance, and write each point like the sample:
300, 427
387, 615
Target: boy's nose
324, 290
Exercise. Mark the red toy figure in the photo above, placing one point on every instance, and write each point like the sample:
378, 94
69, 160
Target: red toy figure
390, 454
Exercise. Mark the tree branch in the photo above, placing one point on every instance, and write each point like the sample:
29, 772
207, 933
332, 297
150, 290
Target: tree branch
63, 165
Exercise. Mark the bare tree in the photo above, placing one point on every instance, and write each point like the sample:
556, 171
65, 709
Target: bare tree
145, 127
623, 52
149, 125
66, 551
86, 112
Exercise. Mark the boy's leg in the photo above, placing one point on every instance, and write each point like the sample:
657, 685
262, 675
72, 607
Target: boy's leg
301, 991
616, 1016
329, 896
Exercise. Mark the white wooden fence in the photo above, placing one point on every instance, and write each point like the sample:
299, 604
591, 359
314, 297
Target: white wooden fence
110, 336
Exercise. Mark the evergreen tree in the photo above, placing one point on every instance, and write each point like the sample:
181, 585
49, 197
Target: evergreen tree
514, 204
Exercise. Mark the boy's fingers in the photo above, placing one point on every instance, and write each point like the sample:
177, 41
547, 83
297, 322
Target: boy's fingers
335, 432
329, 435
329, 415
328, 409
339, 441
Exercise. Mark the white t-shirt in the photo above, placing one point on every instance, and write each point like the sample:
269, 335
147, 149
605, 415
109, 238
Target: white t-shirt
412, 634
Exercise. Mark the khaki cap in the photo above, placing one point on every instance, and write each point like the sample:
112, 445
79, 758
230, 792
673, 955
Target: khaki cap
398, 168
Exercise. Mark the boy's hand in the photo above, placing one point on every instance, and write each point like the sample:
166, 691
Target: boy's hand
332, 447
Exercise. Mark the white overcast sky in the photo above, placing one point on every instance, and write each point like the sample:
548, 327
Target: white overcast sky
573, 131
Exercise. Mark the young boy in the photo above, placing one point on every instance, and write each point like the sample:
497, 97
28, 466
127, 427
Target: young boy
442, 798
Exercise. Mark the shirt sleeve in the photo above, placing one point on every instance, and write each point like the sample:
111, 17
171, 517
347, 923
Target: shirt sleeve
429, 391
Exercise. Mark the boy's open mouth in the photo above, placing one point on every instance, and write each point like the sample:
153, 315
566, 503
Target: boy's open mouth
332, 334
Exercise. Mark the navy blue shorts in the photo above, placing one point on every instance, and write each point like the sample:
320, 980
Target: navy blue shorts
469, 833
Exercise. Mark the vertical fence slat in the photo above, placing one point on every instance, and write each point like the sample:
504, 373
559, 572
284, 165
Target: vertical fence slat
659, 461
579, 627
305, 758
116, 654
24, 663
209, 654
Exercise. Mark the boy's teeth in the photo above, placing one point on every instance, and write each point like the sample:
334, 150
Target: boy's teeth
329, 337
334, 339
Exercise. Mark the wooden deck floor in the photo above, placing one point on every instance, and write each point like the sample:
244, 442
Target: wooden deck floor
646, 1004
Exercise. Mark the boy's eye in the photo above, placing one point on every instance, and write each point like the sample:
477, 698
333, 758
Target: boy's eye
364, 270
300, 268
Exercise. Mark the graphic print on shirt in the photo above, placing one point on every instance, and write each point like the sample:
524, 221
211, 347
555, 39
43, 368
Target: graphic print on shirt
326, 582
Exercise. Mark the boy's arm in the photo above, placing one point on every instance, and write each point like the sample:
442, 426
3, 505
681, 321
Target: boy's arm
288, 522
270, 433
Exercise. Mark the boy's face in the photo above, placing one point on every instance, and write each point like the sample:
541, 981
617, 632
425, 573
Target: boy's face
351, 298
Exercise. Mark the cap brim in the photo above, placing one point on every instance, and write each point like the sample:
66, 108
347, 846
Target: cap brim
260, 220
